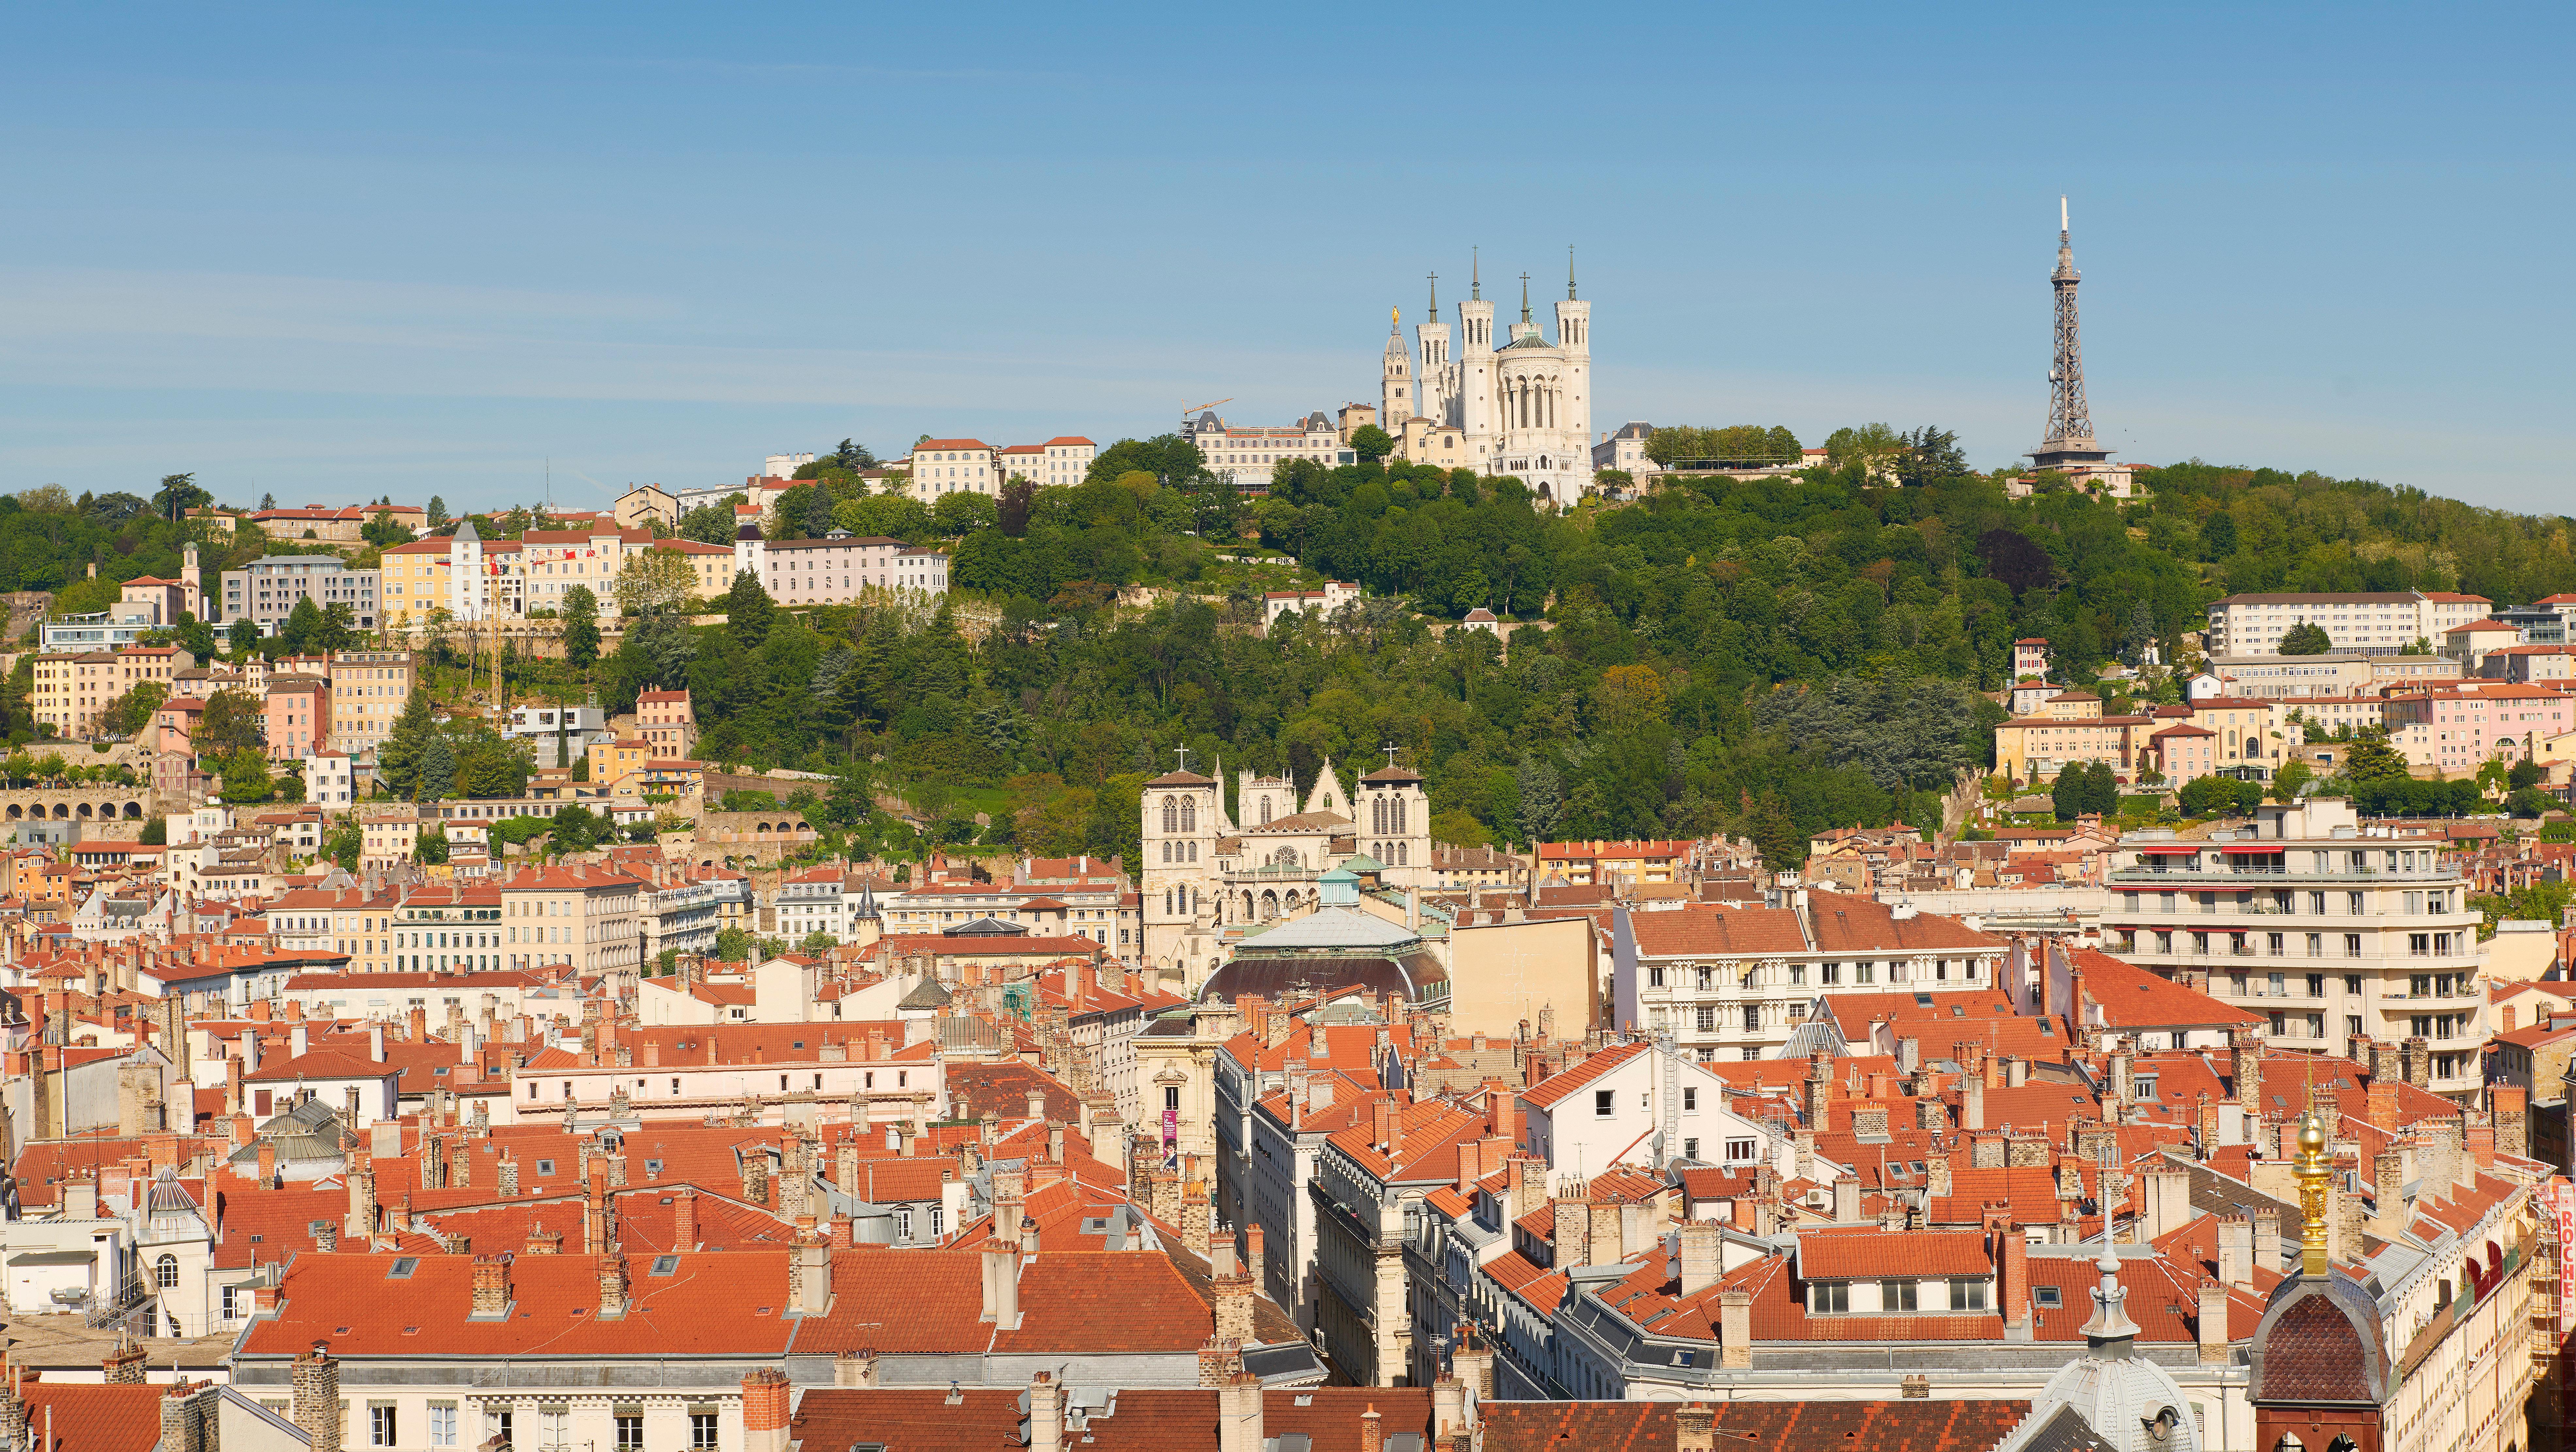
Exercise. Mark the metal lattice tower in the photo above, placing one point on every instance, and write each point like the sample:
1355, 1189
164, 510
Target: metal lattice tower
2070, 421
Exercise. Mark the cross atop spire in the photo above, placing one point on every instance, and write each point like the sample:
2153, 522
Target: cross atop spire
1435, 298
1475, 274
1525, 317
1183, 753
1569, 272
1389, 749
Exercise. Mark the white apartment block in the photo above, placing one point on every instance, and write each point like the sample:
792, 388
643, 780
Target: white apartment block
1726, 982
2330, 934
1059, 463
2360, 622
1244, 456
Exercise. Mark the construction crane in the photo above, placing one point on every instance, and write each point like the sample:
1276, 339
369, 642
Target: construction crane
1195, 407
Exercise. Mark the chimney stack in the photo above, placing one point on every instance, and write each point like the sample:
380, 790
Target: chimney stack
317, 1398
491, 1287
766, 1400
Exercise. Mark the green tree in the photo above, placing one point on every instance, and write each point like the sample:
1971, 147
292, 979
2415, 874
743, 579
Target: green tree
384, 531
580, 611
2218, 536
437, 768
177, 495
748, 610
303, 628
243, 636
733, 945
1371, 443
131, 712
2371, 758
711, 523
434, 514
2306, 638
1872, 450
962, 513
232, 721
654, 580
156, 832
2525, 773
431, 846
246, 778
2287, 782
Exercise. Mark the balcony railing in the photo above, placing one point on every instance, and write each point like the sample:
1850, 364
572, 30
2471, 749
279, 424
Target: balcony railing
2126, 876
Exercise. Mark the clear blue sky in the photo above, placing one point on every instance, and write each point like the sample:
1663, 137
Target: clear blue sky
335, 254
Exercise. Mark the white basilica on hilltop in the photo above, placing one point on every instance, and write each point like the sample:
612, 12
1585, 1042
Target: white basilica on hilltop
1523, 409
1207, 876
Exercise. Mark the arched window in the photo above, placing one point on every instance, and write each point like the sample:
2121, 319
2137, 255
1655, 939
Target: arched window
1395, 812
1265, 808
1194, 852
165, 1272
1167, 853
1189, 814
1171, 814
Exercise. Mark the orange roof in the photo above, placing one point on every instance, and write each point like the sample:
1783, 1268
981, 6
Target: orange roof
1869, 1253
1709, 928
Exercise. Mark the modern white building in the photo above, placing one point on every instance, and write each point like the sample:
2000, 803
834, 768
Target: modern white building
2364, 622
2333, 935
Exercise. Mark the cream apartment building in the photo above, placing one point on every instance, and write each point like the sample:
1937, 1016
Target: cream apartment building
591, 917
369, 689
2330, 934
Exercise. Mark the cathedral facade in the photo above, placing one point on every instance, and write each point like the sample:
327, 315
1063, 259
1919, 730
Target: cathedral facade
1522, 408
1212, 874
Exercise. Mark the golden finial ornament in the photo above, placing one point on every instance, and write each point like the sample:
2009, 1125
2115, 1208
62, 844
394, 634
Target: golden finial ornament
2313, 1171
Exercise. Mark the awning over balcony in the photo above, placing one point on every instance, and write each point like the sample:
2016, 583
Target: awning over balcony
2171, 849
2253, 849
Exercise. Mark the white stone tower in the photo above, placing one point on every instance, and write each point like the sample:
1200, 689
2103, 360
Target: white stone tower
1184, 816
1574, 336
1476, 414
1396, 396
1433, 338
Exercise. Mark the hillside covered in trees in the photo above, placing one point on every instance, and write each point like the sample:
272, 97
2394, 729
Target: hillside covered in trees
1769, 656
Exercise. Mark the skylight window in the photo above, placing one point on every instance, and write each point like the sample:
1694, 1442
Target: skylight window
403, 1267
664, 1265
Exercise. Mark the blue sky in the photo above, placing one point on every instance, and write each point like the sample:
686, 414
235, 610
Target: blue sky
333, 254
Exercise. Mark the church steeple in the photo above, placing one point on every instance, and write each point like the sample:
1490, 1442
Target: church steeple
1569, 272
1525, 317
1434, 315
1476, 274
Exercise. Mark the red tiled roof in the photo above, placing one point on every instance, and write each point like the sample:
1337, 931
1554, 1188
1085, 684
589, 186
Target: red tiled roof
1707, 929
1857, 1254
1918, 1425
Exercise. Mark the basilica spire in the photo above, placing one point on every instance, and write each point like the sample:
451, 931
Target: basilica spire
1569, 272
1525, 317
1435, 299
1475, 274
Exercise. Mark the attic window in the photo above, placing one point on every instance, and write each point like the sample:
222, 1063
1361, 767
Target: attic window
1922, 999
664, 1265
652, 1167
2048, 1296
2046, 1029
403, 1267
441, 1069
545, 1167
1958, 1010
800, 1043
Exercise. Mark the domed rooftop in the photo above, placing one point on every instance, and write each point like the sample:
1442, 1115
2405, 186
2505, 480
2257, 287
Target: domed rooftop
2109, 1397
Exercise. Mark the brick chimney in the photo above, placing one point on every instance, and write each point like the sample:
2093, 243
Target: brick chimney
491, 1287
2511, 1105
2013, 1250
1692, 1428
766, 1398
123, 1366
612, 1285
1234, 1307
1372, 1430
317, 1398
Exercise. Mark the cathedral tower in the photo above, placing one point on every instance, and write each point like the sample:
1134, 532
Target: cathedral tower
1393, 814
1184, 815
1396, 396
1476, 414
1433, 336
1574, 336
